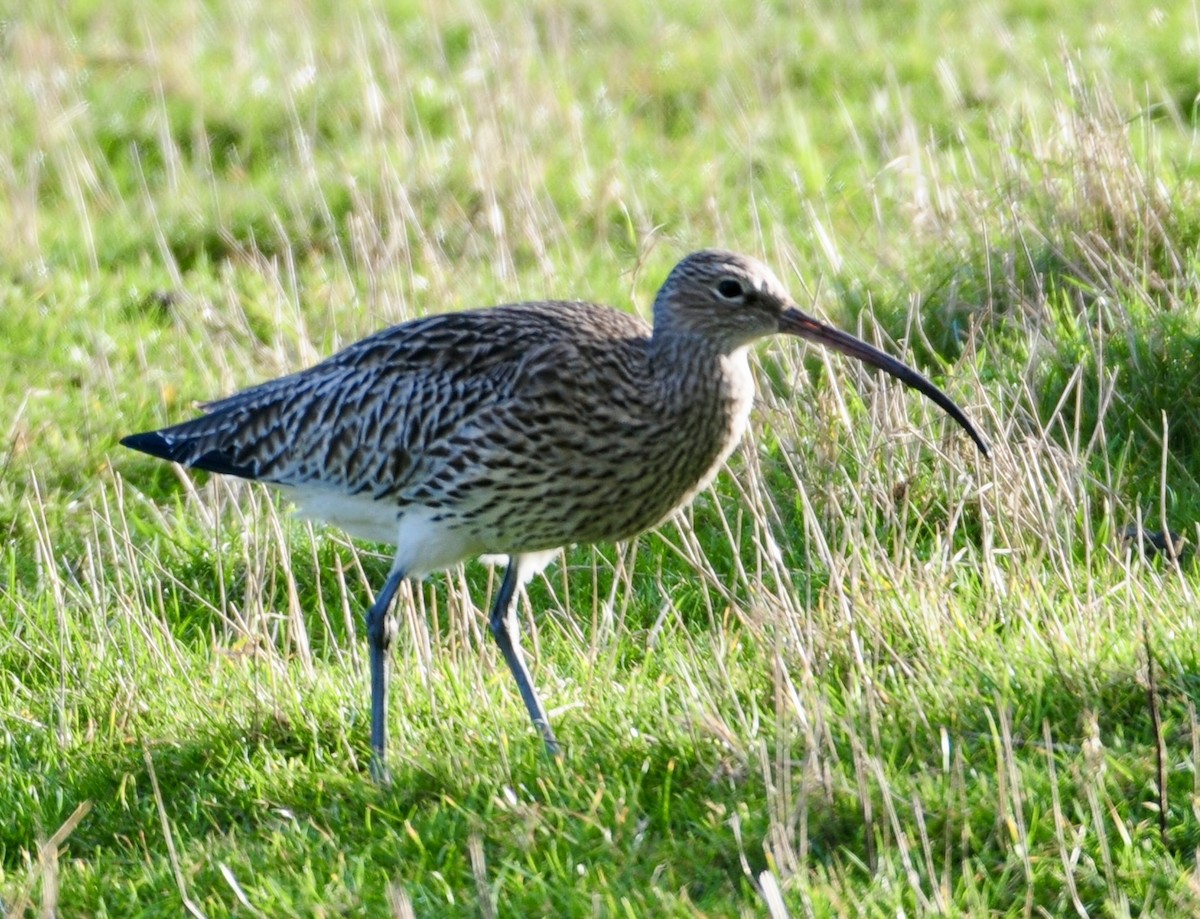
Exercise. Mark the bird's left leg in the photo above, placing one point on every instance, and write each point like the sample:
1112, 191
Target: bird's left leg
381, 629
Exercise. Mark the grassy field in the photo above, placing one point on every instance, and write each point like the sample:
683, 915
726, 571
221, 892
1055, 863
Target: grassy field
868, 673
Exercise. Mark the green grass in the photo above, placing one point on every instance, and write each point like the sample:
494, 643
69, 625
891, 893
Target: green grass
868, 673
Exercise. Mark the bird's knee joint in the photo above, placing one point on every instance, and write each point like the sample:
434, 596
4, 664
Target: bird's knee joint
380, 630
496, 624
502, 626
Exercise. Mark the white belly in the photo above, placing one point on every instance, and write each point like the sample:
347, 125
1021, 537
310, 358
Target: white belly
423, 545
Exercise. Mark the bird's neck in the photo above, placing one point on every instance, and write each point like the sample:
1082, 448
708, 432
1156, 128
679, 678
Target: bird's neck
679, 348
694, 375
701, 403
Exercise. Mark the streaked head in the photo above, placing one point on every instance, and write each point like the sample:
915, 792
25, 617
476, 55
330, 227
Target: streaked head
726, 298
731, 300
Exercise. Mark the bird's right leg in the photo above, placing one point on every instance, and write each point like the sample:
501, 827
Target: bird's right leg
380, 632
507, 631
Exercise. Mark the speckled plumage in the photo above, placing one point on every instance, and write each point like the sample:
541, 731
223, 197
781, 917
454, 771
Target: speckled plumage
520, 428
514, 430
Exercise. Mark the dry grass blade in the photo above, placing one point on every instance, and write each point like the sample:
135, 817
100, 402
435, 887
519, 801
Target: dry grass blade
45, 868
169, 838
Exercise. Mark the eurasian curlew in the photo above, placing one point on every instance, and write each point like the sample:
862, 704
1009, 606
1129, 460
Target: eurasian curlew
514, 431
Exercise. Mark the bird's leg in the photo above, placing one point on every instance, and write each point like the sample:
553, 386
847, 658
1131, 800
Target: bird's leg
380, 631
506, 629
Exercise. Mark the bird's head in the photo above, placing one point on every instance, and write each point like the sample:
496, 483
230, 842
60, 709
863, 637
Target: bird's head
729, 301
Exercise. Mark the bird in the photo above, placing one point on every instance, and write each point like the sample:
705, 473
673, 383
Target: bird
514, 431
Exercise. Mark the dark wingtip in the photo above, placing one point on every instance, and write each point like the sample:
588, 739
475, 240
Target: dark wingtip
151, 442
215, 461
182, 450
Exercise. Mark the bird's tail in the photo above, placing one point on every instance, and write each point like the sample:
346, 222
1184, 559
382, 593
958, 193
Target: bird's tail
193, 444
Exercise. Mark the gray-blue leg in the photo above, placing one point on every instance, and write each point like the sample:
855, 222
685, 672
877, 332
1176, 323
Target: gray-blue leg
379, 637
507, 631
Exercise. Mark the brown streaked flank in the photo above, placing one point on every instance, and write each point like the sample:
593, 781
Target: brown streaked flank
514, 431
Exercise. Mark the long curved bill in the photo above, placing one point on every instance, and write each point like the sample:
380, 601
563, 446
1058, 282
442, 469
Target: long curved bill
795, 322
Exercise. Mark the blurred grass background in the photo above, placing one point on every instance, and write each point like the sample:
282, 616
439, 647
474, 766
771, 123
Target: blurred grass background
868, 673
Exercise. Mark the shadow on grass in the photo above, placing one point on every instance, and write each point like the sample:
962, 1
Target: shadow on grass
682, 814
279, 801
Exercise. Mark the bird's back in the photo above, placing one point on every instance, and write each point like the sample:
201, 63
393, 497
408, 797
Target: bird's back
362, 420
523, 427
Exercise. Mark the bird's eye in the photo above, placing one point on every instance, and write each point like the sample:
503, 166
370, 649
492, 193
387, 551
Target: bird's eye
729, 289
